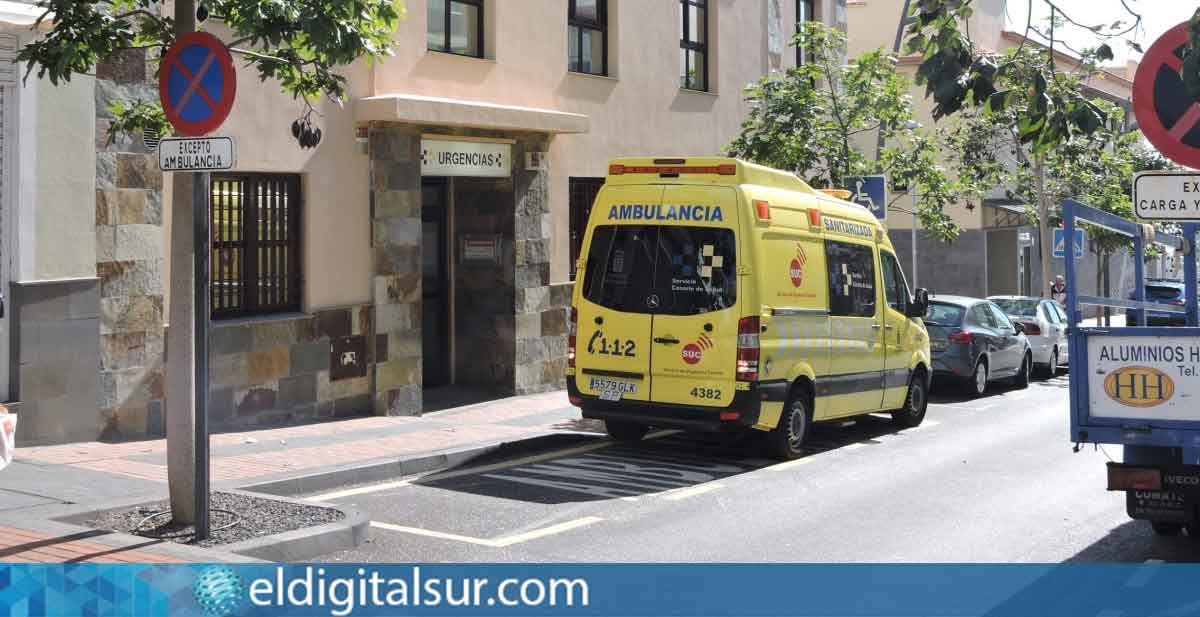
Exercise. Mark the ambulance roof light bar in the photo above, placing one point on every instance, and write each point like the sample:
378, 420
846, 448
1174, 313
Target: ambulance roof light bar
672, 167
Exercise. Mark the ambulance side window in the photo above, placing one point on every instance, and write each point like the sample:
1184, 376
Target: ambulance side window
895, 290
851, 279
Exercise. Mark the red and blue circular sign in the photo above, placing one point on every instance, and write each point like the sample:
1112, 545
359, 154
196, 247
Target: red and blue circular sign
197, 84
1168, 116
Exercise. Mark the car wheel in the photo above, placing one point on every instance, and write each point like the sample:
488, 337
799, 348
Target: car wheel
1166, 529
786, 440
1050, 369
915, 404
625, 431
1021, 379
977, 383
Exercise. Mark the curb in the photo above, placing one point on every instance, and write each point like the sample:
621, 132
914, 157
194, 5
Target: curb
306, 543
365, 473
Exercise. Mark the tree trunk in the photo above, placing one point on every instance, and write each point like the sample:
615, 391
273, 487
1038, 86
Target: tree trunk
1045, 234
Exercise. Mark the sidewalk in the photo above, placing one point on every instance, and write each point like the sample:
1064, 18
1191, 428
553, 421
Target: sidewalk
44, 480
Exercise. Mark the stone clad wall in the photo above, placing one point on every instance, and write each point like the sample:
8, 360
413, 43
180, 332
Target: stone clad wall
396, 277
277, 369
129, 260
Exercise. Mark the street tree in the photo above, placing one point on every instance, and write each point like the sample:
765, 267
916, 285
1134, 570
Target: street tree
296, 45
808, 120
1011, 140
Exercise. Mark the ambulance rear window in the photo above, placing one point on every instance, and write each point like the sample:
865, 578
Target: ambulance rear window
663, 270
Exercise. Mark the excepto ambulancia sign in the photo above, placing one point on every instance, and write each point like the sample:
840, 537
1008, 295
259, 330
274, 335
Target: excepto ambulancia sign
443, 157
1170, 196
1144, 377
196, 154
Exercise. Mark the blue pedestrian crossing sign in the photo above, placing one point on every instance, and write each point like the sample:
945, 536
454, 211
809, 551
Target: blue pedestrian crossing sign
1060, 242
869, 192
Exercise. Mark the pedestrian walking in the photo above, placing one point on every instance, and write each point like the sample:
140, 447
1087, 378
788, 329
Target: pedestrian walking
1058, 291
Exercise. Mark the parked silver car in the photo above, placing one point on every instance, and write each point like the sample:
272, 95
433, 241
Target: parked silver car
1045, 324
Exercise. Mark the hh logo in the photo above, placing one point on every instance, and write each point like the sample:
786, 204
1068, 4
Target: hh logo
1139, 386
796, 270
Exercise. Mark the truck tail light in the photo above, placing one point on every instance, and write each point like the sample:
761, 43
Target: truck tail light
747, 349
571, 338
961, 337
1032, 328
1134, 479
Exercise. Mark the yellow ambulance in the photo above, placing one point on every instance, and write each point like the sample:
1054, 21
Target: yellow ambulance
716, 294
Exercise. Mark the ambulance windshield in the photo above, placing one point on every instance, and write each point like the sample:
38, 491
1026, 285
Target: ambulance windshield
661, 269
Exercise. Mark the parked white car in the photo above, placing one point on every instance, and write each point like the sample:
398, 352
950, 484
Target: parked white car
1045, 324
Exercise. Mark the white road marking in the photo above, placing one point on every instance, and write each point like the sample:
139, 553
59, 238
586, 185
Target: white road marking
924, 425
502, 542
692, 492
791, 464
362, 490
955, 407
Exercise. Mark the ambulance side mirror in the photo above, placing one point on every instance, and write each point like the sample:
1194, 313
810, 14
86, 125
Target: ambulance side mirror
919, 304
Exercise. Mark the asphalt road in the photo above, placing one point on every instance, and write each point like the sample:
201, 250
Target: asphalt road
992, 479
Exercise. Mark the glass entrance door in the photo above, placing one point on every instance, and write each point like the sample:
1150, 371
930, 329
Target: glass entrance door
435, 305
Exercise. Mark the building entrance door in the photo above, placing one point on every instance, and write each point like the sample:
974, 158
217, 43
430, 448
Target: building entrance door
435, 284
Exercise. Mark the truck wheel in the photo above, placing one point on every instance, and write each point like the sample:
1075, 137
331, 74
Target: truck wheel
1021, 379
786, 440
1166, 529
915, 404
976, 384
625, 431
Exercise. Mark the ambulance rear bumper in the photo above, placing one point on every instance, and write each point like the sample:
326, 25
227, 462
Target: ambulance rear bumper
746, 403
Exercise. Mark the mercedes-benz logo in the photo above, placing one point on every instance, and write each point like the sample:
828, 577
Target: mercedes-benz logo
652, 301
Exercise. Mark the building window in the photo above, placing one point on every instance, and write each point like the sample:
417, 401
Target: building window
582, 194
587, 36
693, 45
805, 11
256, 263
455, 27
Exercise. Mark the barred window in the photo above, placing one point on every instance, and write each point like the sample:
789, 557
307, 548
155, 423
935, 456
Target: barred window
256, 262
582, 194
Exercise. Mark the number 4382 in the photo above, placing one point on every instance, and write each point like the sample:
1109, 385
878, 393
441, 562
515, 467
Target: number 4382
706, 393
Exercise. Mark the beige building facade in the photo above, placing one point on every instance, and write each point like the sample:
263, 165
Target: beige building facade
427, 242
994, 254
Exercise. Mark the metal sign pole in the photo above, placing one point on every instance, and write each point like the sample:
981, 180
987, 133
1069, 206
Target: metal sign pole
202, 243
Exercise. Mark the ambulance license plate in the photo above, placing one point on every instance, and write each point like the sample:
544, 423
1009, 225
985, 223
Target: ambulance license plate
612, 389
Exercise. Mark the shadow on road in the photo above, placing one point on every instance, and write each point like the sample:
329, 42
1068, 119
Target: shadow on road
595, 470
1135, 541
950, 392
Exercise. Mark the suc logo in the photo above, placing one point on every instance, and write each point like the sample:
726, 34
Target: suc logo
796, 269
693, 353
1139, 386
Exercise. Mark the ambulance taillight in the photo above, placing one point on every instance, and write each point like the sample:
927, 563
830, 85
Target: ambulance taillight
571, 338
747, 349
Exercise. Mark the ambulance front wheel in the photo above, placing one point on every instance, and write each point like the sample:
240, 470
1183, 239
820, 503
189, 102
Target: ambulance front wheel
786, 440
915, 403
625, 431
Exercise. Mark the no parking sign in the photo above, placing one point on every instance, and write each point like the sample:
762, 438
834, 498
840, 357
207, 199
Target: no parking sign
1167, 114
197, 84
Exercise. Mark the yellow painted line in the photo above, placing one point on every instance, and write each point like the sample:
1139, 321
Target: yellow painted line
362, 490
498, 542
699, 489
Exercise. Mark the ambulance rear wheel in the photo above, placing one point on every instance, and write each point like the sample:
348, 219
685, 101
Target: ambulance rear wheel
786, 440
625, 431
1166, 529
915, 403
